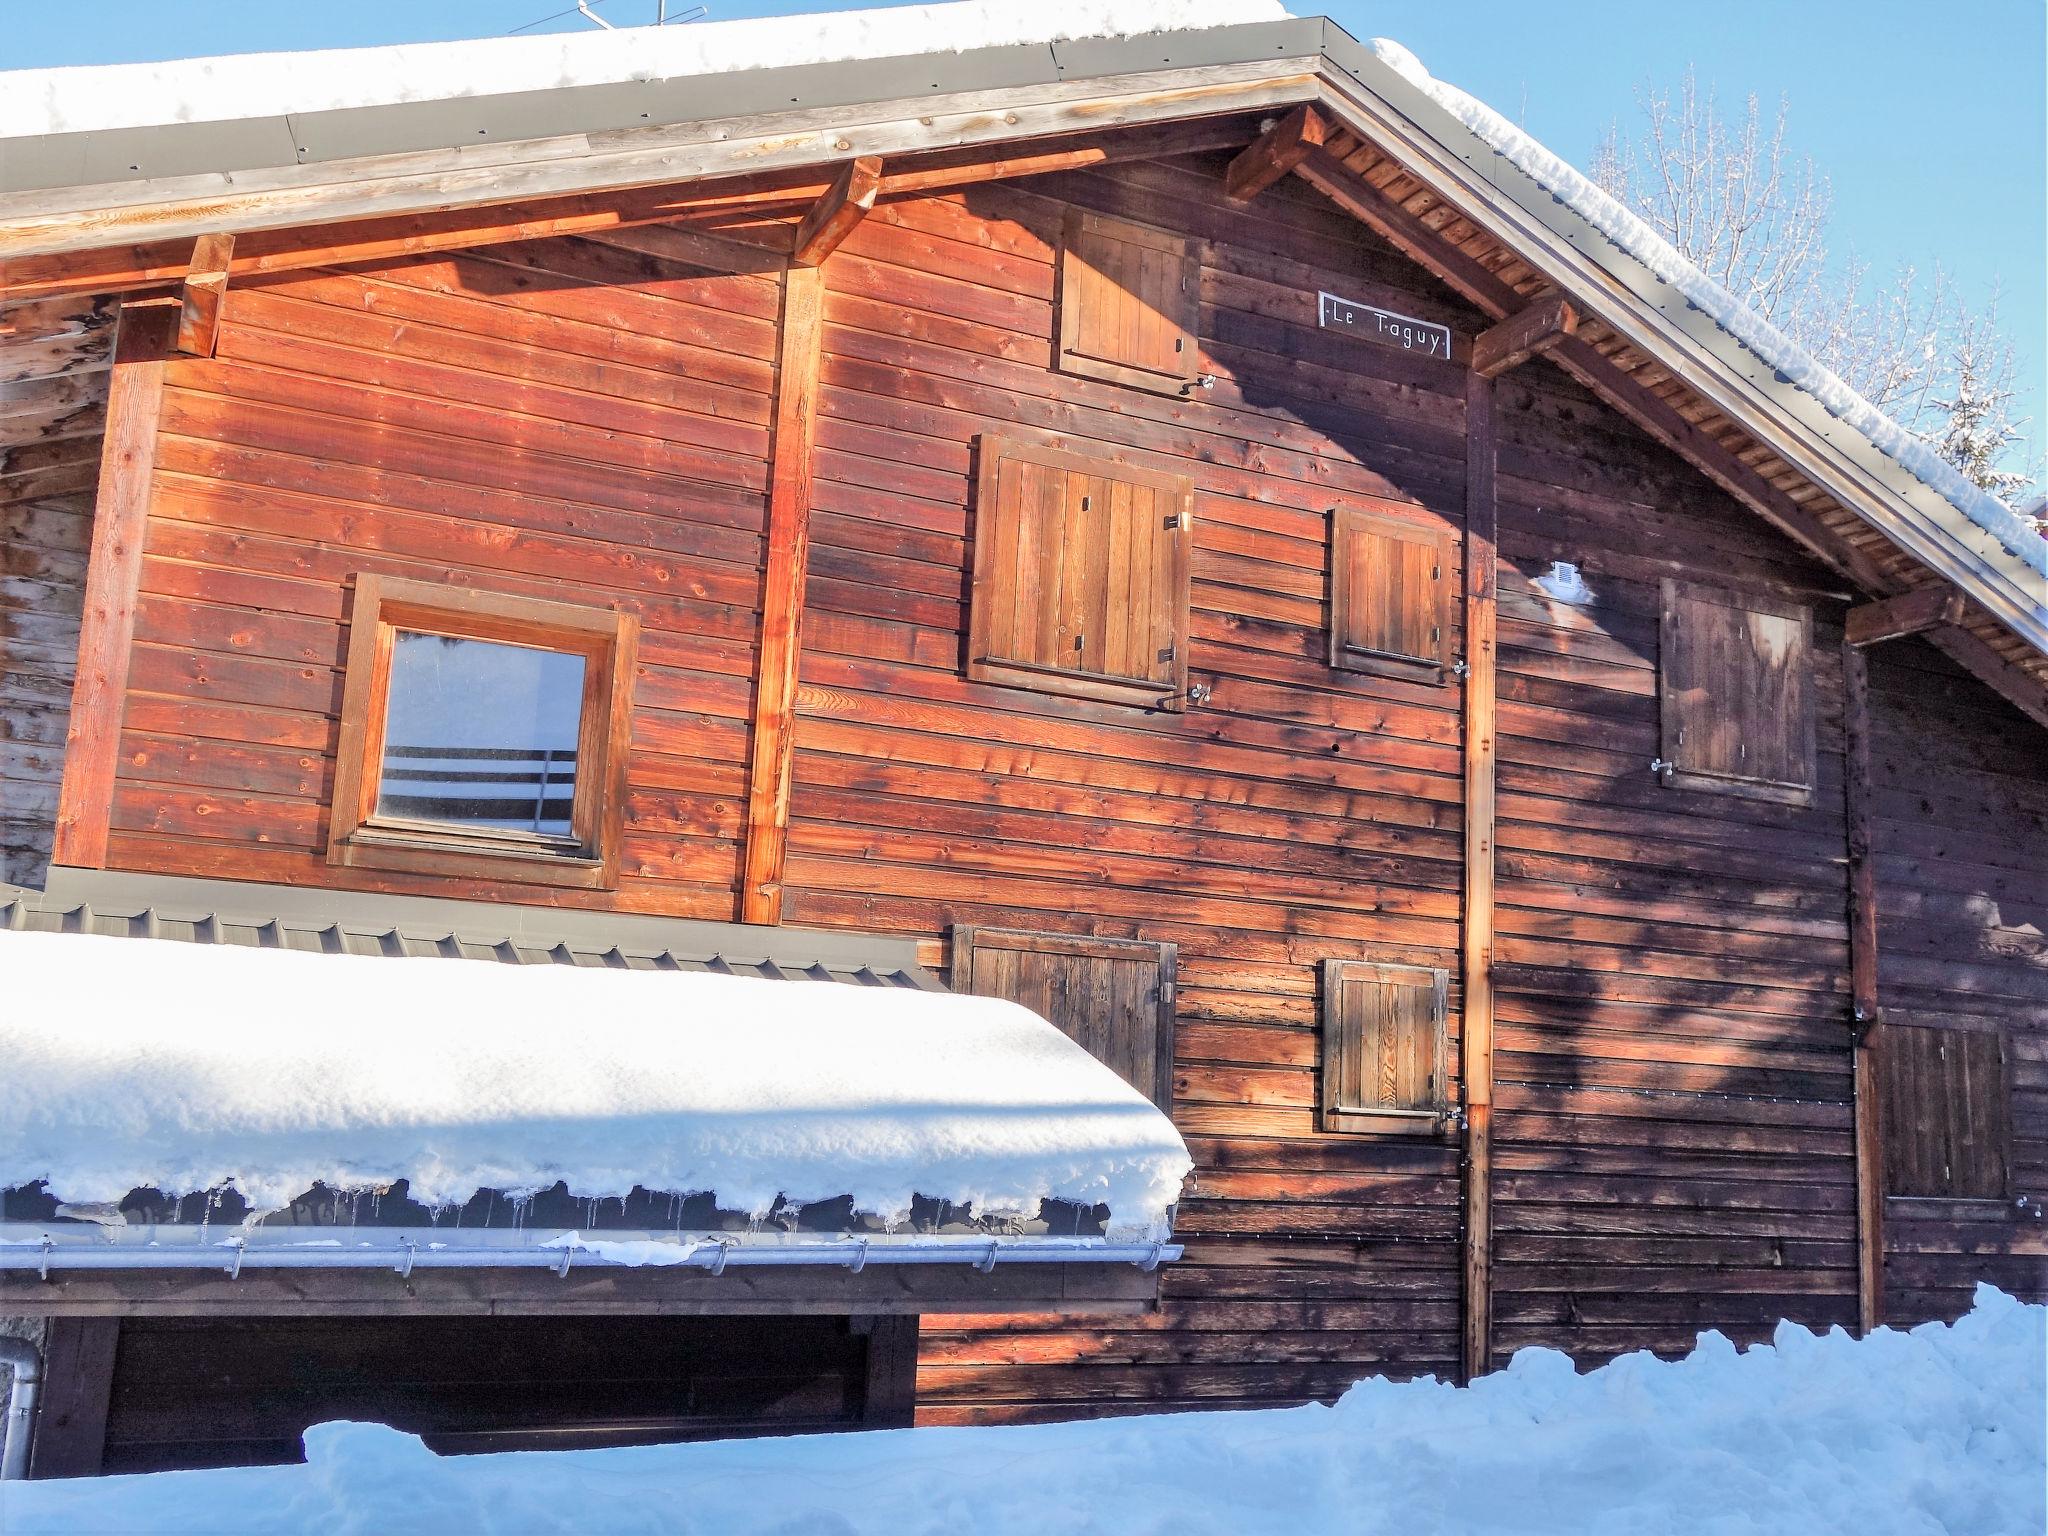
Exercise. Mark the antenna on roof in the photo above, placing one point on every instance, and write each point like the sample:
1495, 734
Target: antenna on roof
587, 8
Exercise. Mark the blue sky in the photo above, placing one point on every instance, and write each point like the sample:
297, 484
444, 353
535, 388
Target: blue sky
1930, 118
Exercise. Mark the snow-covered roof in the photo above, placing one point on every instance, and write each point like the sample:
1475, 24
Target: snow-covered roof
1570, 187
143, 1063
93, 97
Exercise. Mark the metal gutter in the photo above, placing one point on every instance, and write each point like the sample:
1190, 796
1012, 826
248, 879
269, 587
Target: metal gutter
404, 1250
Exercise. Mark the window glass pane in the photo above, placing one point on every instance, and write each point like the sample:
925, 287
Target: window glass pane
480, 733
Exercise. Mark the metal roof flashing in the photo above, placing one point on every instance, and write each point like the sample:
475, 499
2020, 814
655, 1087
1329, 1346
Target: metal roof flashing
356, 922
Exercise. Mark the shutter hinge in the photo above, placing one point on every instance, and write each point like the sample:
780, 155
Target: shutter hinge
1662, 768
1167, 654
1172, 521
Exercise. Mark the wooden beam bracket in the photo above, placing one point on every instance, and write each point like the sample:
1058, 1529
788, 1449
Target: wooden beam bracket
1277, 151
833, 217
1523, 335
1909, 613
204, 290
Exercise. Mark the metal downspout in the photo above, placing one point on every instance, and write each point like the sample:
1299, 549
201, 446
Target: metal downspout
26, 1362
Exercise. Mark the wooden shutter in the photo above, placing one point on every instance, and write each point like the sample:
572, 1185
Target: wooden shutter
1080, 576
1386, 1055
1947, 1113
1390, 596
1736, 691
1129, 297
1113, 997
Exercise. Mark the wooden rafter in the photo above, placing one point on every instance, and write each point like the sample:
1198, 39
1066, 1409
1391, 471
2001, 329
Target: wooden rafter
834, 216
1277, 151
204, 289
1529, 332
1910, 613
747, 206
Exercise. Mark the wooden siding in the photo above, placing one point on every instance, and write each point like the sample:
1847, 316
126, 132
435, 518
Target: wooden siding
53, 401
1960, 827
562, 419
1673, 1145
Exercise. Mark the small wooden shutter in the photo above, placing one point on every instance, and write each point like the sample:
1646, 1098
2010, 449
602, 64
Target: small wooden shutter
1736, 689
1129, 297
1386, 1055
1080, 576
1947, 1113
1390, 595
1113, 997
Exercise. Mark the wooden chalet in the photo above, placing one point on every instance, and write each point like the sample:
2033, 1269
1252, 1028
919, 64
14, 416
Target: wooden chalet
1177, 530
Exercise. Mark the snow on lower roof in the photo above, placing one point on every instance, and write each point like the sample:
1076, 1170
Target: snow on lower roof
84, 98
136, 1063
1564, 182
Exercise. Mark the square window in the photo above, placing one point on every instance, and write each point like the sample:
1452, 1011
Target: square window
1081, 570
1735, 694
1129, 299
482, 735
1947, 1112
1390, 596
1386, 1048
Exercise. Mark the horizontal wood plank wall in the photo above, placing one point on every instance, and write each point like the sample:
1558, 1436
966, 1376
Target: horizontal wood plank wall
563, 419
1960, 824
54, 359
1298, 814
1673, 1113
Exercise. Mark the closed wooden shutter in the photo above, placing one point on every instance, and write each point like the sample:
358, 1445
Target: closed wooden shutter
1386, 1056
1080, 576
1736, 692
1113, 997
1947, 1113
1129, 297
1390, 595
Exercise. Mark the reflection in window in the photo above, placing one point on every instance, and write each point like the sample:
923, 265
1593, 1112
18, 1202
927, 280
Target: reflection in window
481, 733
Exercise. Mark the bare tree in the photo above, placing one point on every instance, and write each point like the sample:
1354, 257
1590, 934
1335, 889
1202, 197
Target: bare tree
1733, 197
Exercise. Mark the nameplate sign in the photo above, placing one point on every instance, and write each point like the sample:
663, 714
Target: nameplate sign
1404, 333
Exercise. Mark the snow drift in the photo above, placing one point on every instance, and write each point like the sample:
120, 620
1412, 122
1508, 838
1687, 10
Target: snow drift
139, 1063
1937, 1432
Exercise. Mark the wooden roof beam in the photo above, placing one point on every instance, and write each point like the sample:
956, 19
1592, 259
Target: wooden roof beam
1277, 151
1910, 613
1523, 335
204, 290
835, 215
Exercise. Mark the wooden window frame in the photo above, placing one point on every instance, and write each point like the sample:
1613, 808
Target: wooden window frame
1777, 792
982, 667
967, 938
1333, 1117
608, 642
1899, 1092
1073, 361
1345, 657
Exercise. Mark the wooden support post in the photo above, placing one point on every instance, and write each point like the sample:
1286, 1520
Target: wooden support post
1482, 539
99, 694
78, 1386
1910, 613
1525, 334
782, 594
206, 286
890, 1401
1866, 1017
1276, 152
833, 217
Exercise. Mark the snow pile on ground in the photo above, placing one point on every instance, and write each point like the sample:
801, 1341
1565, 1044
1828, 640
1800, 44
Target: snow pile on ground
138, 1063
1564, 182
1934, 1433
77, 99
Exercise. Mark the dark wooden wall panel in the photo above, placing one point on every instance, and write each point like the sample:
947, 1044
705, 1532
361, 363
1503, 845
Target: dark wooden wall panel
1960, 828
54, 356
1297, 814
1673, 1122
562, 419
